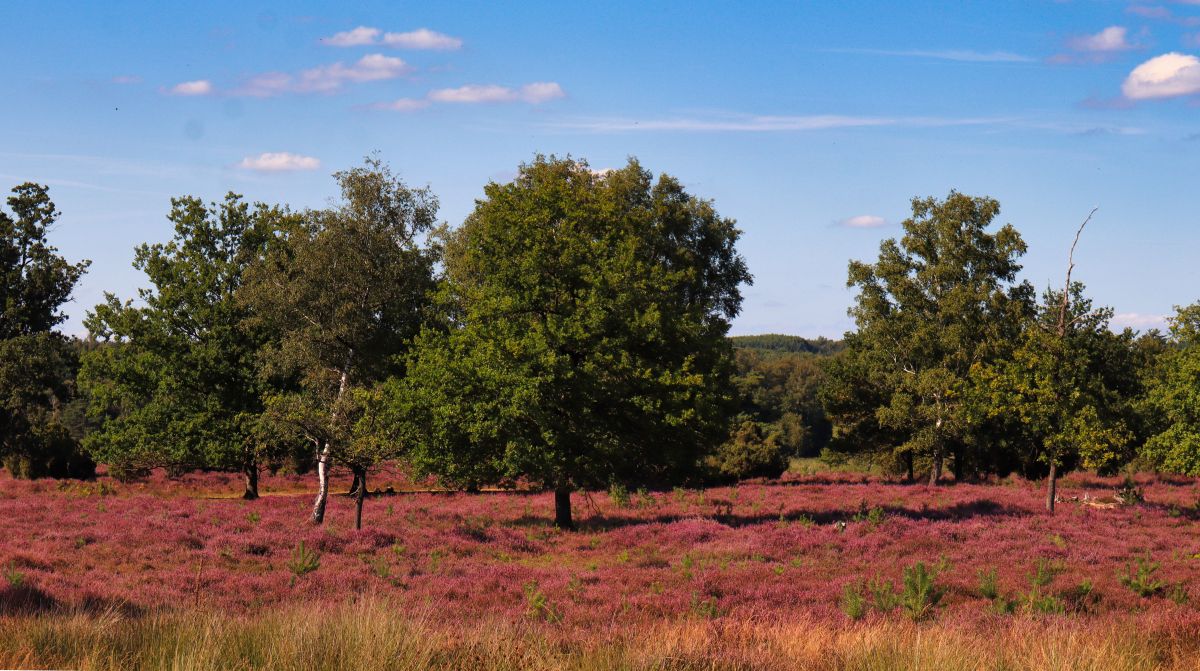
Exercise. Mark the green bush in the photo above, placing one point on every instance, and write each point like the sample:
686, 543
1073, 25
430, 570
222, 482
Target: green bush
853, 604
303, 560
921, 593
50, 452
751, 452
1140, 580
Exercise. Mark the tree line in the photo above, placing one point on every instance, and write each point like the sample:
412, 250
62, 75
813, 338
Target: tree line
571, 333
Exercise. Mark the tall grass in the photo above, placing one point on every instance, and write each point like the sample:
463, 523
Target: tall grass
376, 635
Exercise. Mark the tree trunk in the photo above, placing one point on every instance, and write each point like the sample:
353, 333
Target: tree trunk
958, 464
935, 469
325, 455
318, 513
250, 471
353, 486
562, 508
1052, 486
361, 478
908, 462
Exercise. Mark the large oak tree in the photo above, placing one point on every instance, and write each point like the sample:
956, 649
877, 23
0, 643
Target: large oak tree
585, 341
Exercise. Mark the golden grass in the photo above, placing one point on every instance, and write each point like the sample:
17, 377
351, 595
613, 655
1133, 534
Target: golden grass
374, 635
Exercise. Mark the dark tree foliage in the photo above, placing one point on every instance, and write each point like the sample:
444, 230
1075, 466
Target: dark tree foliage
587, 338
36, 362
775, 342
937, 302
175, 382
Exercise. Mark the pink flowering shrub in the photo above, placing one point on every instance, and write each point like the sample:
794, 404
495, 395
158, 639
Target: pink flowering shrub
766, 552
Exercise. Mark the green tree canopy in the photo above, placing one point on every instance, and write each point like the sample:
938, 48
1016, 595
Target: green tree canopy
938, 301
178, 385
1173, 398
1065, 393
347, 288
586, 340
35, 360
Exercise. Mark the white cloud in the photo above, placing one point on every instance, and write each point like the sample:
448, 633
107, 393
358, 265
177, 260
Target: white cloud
863, 221
1137, 320
1112, 38
281, 161
474, 93
538, 92
401, 105
422, 38
1167, 76
360, 36
199, 87
325, 78
963, 55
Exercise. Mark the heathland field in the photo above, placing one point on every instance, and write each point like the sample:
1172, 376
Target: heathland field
838, 571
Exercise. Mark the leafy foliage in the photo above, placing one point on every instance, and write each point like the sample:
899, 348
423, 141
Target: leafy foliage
939, 301
346, 289
36, 363
177, 383
1172, 400
586, 340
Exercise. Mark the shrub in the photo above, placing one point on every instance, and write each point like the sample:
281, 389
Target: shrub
988, 587
750, 452
707, 608
619, 495
50, 453
883, 595
1129, 493
1139, 578
921, 594
538, 606
14, 577
303, 560
853, 604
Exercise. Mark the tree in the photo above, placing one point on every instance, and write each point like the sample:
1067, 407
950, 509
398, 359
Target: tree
938, 301
346, 288
1067, 388
179, 384
35, 360
1173, 398
586, 340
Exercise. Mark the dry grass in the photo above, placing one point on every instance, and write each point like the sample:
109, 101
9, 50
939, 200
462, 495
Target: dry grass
375, 635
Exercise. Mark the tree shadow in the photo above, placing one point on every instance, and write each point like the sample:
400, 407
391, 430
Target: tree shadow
29, 600
980, 508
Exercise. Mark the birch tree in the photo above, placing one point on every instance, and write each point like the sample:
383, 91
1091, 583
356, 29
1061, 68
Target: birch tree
347, 288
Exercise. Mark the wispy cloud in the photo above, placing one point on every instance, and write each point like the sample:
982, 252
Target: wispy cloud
761, 123
963, 55
534, 94
325, 78
360, 36
1162, 14
127, 79
281, 161
1137, 320
199, 87
1097, 47
421, 38
863, 221
1168, 76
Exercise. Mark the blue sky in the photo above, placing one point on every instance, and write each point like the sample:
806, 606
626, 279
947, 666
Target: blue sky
811, 123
